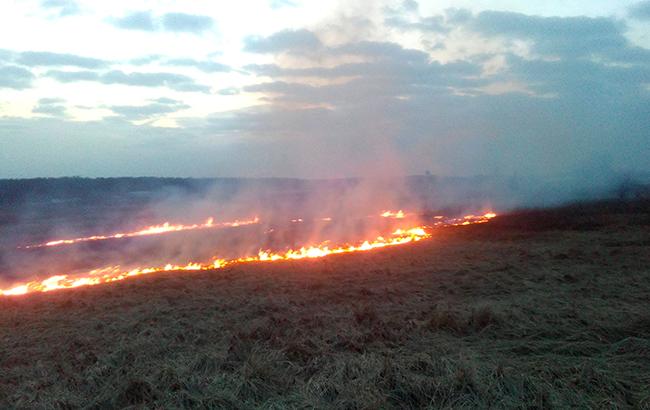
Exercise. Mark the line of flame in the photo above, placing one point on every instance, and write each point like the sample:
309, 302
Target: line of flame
150, 230
115, 273
167, 227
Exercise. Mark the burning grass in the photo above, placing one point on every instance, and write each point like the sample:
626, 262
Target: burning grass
103, 275
491, 315
160, 229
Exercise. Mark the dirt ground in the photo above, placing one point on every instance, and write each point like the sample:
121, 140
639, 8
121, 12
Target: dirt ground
543, 309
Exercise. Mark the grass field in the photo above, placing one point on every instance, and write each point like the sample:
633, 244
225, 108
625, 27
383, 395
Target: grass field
544, 309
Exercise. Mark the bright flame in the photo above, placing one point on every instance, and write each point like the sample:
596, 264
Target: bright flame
150, 230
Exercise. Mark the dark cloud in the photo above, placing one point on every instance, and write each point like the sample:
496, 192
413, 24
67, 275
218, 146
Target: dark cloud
15, 77
190, 23
564, 36
62, 7
290, 41
139, 20
51, 106
44, 58
579, 78
173, 81
390, 72
203, 65
640, 11
546, 116
155, 108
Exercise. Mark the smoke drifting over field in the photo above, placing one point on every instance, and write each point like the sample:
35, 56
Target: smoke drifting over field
61, 227
233, 218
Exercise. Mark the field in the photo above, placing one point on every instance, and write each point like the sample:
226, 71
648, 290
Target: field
540, 309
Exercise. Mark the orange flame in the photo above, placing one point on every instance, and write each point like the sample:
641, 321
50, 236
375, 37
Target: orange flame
150, 230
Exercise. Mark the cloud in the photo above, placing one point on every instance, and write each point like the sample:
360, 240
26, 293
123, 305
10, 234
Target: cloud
139, 20
146, 59
410, 5
44, 58
229, 91
143, 79
407, 18
189, 23
62, 7
581, 93
640, 11
155, 108
434, 24
51, 106
290, 41
173, 81
173, 22
14, 77
205, 66
563, 36
6, 55
388, 72
582, 79
166, 101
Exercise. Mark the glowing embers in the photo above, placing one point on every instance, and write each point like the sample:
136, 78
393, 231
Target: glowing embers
149, 230
115, 273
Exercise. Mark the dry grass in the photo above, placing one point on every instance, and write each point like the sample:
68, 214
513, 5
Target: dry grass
498, 315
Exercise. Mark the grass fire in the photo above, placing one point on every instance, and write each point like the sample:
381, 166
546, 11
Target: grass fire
103, 275
291, 204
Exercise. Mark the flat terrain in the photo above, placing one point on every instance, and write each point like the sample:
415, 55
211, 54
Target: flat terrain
544, 309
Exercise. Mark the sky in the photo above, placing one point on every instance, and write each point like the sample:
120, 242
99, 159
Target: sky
320, 89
